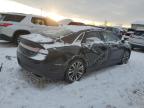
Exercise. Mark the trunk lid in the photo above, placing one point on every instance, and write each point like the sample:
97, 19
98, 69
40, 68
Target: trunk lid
31, 44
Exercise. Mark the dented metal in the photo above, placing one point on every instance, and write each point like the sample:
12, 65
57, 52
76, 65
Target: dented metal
94, 54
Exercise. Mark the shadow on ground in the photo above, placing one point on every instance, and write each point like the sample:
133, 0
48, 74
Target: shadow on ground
139, 50
39, 82
6, 44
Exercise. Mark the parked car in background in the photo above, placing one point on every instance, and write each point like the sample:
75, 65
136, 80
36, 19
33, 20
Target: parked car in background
129, 33
12, 25
81, 50
137, 40
70, 22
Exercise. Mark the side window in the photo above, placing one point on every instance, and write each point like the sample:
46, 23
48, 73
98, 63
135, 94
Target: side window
14, 18
38, 21
50, 22
69, 39
110, 37
92, 37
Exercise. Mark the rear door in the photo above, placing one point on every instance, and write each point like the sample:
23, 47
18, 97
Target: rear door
115, 46
94, 48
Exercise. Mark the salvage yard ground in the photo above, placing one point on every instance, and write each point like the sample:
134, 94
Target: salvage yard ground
120, 86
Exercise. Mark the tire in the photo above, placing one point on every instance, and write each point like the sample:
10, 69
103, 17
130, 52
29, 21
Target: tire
16, 37
75, 70
126, 57
132, 47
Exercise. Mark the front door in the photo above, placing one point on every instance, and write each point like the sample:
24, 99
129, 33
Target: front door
114, 43
94, 49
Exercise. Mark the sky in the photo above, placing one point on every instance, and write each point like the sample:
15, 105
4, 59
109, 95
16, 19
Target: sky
115, 11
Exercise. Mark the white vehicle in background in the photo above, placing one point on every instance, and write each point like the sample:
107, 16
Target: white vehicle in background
137, 40
13, 25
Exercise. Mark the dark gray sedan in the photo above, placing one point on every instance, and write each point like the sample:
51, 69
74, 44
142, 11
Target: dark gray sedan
70, 56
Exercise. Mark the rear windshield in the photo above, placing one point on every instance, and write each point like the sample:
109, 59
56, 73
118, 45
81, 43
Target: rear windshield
14, 18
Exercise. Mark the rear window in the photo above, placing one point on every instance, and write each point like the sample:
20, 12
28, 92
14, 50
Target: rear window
14, 18
70, 38
44, 21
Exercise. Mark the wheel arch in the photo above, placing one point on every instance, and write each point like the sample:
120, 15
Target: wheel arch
75, 58
20, 31
128, 49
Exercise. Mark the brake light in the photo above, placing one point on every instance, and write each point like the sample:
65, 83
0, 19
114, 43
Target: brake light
30, 48
6, 24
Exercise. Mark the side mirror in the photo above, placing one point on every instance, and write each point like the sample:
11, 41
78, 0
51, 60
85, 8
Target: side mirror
124, 39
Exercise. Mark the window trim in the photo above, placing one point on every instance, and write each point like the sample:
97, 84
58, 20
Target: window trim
81, 34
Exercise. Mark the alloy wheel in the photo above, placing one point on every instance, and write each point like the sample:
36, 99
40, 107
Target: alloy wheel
75, 70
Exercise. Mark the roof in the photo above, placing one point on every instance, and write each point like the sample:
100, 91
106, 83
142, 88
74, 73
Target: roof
68, 29
75, 28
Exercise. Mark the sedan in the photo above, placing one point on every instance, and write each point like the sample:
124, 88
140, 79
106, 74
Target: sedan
76, 51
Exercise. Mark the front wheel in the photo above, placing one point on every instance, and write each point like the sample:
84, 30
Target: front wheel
125, 58
75, 71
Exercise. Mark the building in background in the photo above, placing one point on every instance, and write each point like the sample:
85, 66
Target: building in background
138, 25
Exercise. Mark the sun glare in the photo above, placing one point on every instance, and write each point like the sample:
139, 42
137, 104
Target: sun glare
12, 6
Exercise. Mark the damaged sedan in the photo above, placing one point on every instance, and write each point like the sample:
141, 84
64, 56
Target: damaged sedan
68, 54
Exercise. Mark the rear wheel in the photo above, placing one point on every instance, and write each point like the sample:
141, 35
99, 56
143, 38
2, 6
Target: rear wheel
125, 58
132, 47
75, 71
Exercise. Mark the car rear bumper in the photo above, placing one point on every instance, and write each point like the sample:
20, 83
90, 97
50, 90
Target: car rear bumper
41, 68
4, 37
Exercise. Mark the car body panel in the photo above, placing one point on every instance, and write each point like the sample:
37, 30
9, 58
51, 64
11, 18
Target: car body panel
96, 55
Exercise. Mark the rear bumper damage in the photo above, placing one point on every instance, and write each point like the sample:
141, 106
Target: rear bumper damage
41, 68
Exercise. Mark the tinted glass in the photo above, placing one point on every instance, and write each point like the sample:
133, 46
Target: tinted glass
92, 37
70, 38
14, 18
50, 22
110, 37
44, 21
38, 21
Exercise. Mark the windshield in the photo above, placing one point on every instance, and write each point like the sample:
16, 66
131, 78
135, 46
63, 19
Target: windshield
14, 18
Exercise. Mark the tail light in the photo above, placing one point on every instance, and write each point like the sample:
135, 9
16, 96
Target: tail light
6, 24
43, 51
